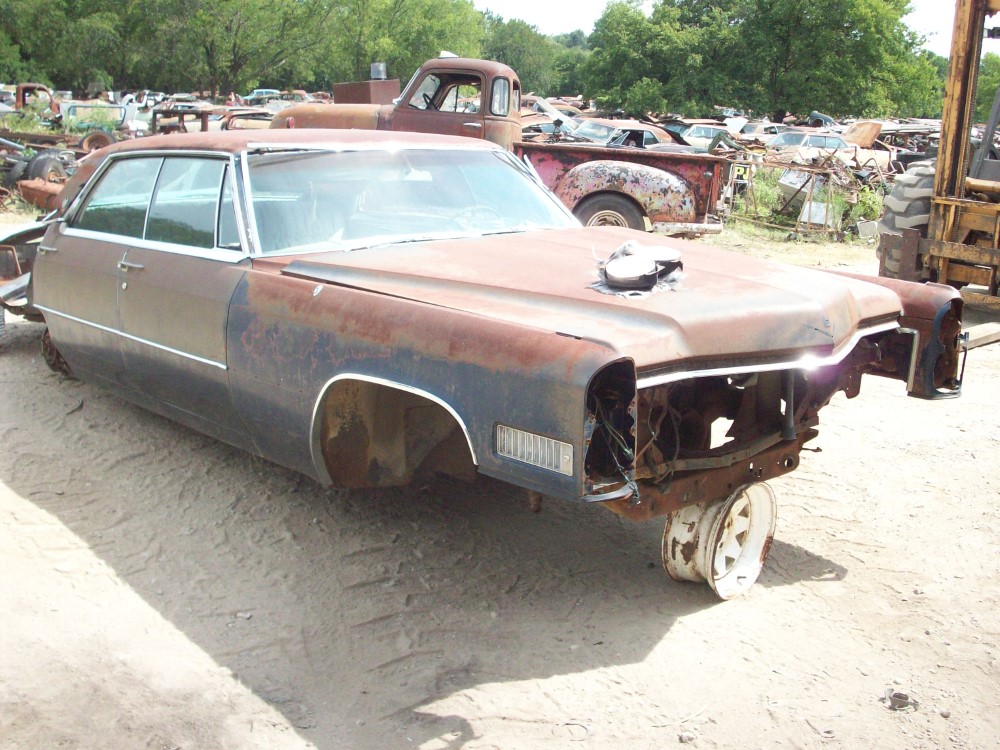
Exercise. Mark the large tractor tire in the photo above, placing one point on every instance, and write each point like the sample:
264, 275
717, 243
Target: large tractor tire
908, 206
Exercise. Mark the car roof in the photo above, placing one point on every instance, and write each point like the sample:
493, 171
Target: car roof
625, 124
238, 141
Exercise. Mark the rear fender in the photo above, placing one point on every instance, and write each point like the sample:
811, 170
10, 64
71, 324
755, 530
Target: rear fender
663, 197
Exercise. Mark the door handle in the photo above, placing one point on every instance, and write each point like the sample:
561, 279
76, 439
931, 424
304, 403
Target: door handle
476, 125
125, 265
45, 249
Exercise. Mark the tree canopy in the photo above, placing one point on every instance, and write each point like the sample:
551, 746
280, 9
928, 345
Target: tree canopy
842, 57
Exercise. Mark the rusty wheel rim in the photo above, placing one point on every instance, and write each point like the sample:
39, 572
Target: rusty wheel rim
607, 219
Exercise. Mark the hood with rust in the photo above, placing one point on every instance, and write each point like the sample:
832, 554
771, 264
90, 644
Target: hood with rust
727, 305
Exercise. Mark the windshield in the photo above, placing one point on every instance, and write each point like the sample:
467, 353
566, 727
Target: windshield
788, 139
322, 200
595, 131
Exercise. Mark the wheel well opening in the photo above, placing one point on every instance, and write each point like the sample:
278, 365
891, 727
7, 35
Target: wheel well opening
378, 435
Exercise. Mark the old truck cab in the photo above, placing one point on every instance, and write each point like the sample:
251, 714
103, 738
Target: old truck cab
447, 95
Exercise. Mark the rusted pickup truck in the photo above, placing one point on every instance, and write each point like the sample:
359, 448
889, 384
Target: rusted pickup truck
670, 193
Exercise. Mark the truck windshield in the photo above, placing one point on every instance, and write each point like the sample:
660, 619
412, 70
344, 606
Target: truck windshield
322, 200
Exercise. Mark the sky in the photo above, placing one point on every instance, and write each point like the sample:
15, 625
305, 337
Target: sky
932, 19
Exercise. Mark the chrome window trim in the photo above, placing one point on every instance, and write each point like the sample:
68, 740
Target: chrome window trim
215, 254
130, 337
71, 212
499, 151
316, 453
474, 145
251, 225
802, 362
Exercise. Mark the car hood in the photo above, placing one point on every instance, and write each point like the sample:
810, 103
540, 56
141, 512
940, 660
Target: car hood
728, 308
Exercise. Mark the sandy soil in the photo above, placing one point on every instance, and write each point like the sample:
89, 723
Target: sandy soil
162, 590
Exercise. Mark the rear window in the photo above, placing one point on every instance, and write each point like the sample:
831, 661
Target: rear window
183, 208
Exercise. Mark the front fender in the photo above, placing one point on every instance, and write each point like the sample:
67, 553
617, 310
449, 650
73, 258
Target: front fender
664, 197
931, 321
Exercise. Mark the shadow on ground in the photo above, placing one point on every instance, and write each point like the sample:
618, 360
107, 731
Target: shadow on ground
346, 611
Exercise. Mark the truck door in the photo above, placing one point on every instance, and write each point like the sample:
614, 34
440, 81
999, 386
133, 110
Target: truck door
447, 102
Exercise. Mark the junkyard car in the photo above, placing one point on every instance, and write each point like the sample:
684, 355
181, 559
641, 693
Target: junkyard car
361, 305
761, 132
621, 133
858, 147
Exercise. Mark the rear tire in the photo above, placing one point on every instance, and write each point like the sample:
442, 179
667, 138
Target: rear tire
908, 206
610, 210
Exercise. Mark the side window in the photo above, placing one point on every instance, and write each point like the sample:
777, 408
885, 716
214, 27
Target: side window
500, 101
649, 138
118, 204
424, 95
183, 211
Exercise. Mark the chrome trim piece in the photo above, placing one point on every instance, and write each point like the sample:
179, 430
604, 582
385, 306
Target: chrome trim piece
533, 449
477, 145
804, 362
209, 253
314, 448
130, 337
215, 253
666, 227
914, 356
251, 216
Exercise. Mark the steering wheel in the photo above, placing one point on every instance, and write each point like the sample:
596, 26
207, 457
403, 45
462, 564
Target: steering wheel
428, 101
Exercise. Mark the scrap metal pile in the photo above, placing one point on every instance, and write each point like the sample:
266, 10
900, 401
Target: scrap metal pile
43, 134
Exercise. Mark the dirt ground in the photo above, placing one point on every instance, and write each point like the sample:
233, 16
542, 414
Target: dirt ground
161, 590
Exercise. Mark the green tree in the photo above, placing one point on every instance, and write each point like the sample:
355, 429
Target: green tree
525, 49
644, 97
989, 82
822, 54
573, 40
844, 57
401, 33
625, 47
569, 68
12, 67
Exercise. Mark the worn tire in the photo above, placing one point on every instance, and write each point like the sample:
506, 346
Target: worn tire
908, 206
47, 167
610, 210
16, 172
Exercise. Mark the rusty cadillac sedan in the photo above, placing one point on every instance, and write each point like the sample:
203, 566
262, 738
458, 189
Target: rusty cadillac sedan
361, 306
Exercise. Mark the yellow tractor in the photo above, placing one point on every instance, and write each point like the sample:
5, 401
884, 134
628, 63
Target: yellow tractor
942, 220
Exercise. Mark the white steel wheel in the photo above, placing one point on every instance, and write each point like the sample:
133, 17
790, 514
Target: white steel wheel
724, 543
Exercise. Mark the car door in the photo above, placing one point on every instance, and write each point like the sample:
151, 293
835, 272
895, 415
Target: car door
77, 272
175, 292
